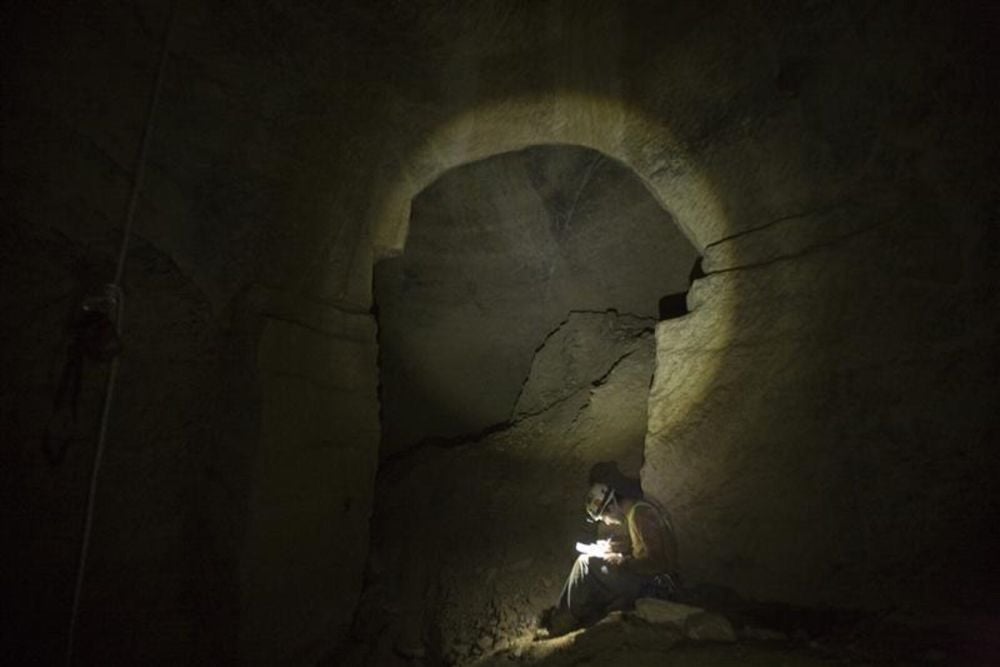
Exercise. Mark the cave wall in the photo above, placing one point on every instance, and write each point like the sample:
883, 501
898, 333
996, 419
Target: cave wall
499, 254
152, 548
842, 452
228, 452
821, 421
835, 161
471, 539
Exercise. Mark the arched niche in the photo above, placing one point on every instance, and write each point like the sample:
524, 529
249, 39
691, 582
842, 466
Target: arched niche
605, 124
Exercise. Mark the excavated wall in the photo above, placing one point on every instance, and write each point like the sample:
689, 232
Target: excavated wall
499, 253
472, 541
154, 548
821, 423
516, 348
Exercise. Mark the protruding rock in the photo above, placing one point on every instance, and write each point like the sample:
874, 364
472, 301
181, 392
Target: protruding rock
709, 627
663, 612
615, 617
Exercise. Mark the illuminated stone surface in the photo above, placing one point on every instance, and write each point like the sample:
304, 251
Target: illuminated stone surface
500, 253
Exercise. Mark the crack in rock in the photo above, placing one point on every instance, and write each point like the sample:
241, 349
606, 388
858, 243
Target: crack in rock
650, 322
446, 442
603, 380
632, 334
817, 247
822, 210
573, 355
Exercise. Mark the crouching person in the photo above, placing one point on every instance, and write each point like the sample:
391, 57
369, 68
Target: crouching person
638, 558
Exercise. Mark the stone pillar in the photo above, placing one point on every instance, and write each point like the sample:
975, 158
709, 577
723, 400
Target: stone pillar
312, 479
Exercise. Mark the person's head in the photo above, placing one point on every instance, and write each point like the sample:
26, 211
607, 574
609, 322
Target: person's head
602, 503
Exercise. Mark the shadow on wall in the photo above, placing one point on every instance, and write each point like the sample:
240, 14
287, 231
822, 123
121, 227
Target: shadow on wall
152, 550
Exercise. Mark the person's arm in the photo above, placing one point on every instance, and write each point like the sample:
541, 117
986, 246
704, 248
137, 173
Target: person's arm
650, 552
620, 545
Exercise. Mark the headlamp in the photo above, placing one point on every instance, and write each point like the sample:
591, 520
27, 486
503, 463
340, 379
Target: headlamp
598, 499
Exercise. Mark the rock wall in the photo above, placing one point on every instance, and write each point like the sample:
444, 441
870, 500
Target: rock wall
832, 161
471, 542
498, 254
840, 455
315, 467
210, 444
154, 550
820, 423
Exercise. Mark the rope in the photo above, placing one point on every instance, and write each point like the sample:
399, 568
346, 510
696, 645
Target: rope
115, 300
147, 133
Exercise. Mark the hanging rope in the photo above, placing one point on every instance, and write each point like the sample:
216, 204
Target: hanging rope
111, 304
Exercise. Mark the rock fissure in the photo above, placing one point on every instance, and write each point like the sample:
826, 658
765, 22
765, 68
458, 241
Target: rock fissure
443, 442
809, 250
604, 378
459, 441
821, 210
584, 346
535, 413
556, 330
601, 381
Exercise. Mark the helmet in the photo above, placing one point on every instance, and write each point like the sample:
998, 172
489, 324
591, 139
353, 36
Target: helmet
598, 499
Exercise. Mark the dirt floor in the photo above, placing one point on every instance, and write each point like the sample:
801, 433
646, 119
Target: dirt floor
627, 640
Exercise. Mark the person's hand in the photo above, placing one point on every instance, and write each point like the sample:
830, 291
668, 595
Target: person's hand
598, 549
614, 558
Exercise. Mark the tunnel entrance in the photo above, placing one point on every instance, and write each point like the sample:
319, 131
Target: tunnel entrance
516, 352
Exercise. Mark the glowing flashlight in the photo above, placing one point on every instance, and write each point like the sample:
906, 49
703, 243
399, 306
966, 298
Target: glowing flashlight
599, 549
